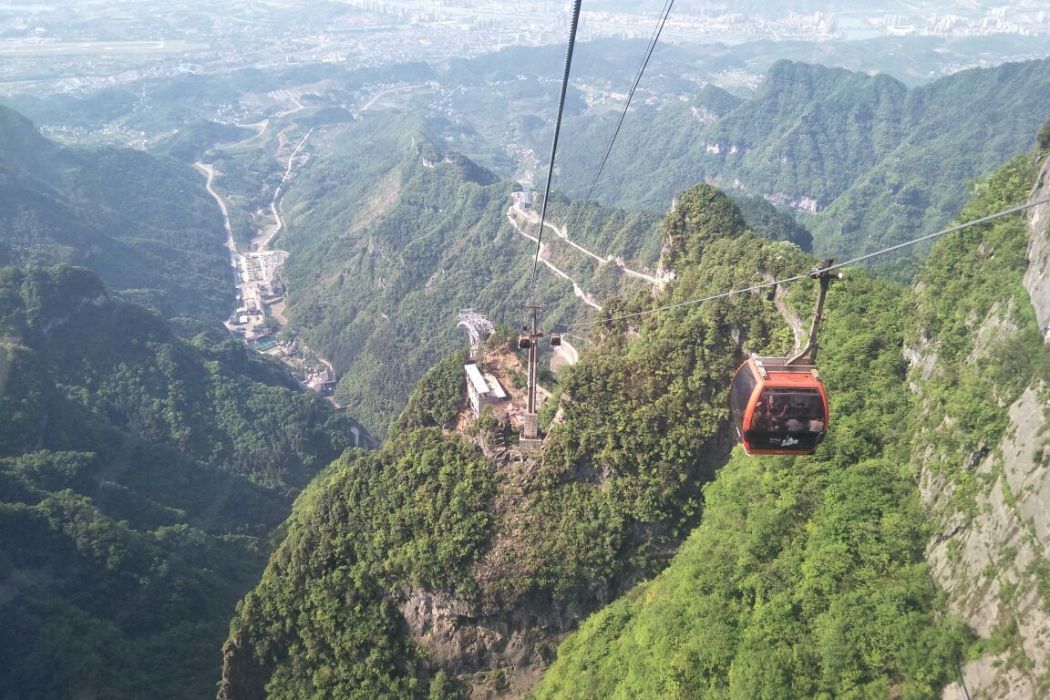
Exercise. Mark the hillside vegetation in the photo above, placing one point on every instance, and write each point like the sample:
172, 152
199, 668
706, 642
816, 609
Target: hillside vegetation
144, 224
140, 479
981, 369
382, 262
807, 577
879, 161
822, 555
390, 237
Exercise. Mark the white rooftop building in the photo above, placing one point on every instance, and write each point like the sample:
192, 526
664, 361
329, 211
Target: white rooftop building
482, 388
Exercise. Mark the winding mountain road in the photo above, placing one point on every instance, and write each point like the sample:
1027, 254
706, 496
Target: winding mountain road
375, 98
263, 241
576, 288
563, 233
208, 170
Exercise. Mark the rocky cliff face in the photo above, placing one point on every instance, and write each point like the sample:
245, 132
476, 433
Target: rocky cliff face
993, 565
1037, 277
496, 653
991, 500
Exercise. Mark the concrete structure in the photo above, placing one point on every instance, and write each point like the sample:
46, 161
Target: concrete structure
482, 387
322, 382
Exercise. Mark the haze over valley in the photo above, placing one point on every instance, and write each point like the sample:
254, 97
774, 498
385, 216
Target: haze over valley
307, 389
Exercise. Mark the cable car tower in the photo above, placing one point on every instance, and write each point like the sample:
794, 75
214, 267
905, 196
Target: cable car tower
529, 340
478, 328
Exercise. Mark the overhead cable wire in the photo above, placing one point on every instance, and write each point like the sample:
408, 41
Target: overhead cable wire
557, 132
806, 275
630, 95
653, 41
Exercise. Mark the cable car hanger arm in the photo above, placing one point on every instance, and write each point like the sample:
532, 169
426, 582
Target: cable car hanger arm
824, 275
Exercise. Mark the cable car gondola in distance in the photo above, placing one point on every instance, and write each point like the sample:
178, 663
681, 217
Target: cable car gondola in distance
779, 405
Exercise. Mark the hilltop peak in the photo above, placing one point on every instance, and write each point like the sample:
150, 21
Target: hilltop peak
21, 144
701, 214
431, 156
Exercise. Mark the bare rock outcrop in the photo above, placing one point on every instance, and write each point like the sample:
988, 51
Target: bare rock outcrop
991, 553
495, 654
1037, 278
992, 564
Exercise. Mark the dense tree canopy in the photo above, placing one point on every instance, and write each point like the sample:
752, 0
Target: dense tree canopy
140, 478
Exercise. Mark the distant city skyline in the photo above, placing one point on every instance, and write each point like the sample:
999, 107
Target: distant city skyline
82, 46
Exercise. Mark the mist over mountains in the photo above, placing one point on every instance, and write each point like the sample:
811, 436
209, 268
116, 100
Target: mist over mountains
233, 255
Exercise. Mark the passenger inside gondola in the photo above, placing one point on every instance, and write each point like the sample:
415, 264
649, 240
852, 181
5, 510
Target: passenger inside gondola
787, 418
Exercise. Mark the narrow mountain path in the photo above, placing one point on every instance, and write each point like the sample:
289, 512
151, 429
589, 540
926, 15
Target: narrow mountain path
794, 321
572, 355
563, 233
375, 98
263, 241
299, 106
260, 129
639, 275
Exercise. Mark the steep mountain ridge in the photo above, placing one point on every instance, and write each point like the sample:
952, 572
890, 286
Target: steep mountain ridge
642, 423
868, 160
143, 223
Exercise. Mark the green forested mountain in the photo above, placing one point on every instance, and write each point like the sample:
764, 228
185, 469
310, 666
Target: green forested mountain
879, 162
385, 254
615, 490
144, 224
144, 478
140, 479
808, 578
527, 543
385, 251
434, 568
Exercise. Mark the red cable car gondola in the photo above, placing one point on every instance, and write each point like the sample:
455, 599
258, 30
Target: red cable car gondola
778, 408
778, 404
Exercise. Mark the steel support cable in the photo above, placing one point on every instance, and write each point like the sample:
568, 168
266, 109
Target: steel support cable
630, 95
805, 275
557, 132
